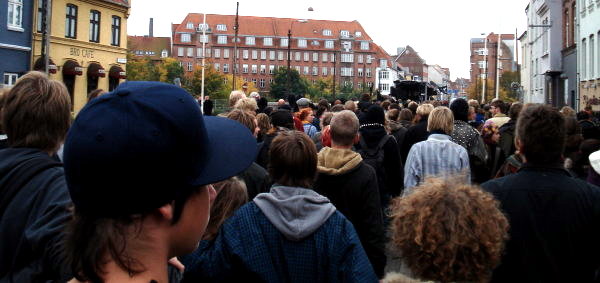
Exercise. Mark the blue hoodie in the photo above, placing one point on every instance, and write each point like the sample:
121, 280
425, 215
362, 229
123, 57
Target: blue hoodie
31, 228
287, 235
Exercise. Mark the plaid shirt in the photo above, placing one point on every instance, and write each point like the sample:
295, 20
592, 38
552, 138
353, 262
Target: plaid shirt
437, 156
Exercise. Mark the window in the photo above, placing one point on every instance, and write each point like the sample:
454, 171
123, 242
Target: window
254, 54
245, 54
222, 39
333, 71
203, 38
360, 72
368, 73
297, 69
15, 14
180, 51
315, 57
345, 33
254, 81
347, 58
280, 55
284, 42
189, 25
186, 37
40, 15
481, 64
94, 26
315, 43
271, 69
545, 36
272, 55
347, 46
329, 44
225, 68
245, 68
592, 62
348, 83
357, 34
306, 70
222, 27
263, 69
263, 54
384, 75
261, 83
203, 27
583, 59
254, 69
384, 87
301, 43
369, 84
346, 72
297, 56
250, 40
306, 56
190, 66
71, 23
327, 32
207, 52
369, 59
324, 71
217, 67
116, 31
190, 52
315, 71
225, 53
598, 50
10, 79
268, 41
359, 58
164, 54
364, 45
332, 57
217, 53
383, 63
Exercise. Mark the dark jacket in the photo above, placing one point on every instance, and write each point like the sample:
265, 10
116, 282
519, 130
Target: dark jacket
351, 185
392, 163
256, 179
31, 227
589, 130
207, 107
554, 227
262, 158
417, 133
300, 238
507, 138
399, 133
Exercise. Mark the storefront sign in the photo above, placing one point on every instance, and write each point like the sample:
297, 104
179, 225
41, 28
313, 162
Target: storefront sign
122, 60
85, 53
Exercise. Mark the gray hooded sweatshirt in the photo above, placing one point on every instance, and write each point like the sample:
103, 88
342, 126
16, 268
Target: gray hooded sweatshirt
296, 212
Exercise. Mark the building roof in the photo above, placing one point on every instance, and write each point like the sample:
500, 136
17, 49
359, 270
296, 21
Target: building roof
274, 27
146, 43
124, 3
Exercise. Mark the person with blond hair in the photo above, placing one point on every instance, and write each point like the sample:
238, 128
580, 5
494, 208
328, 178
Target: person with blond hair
438, 155
246, 104
447, 231
235, 96
34, 201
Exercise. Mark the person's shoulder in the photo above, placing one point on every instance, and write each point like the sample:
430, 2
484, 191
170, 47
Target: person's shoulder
498, 184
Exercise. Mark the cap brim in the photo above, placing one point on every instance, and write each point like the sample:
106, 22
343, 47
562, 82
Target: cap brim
595, 161
232, 149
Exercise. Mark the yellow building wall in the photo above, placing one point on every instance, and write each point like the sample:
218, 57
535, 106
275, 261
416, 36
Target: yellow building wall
81, 50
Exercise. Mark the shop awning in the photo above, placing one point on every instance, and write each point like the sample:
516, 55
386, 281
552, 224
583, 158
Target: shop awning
117, 72
72, 68
96, 70
39, 65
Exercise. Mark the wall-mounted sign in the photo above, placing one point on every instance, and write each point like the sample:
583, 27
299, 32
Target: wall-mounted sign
122, 60
85, 53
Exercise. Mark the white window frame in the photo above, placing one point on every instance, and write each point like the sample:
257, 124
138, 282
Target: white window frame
190, 52
346, 72
364, 45
268, 41
263, 69
315, 71
245, 68
357, 34
329, 44
245, 54
298, 56
280, 55
344, 33
217, 53
324, 71
186, 37
301, 43
347, 58
250, 40
327, 32
359, 58
225, 53
272, 55
306, 56
271, 69
225, 68
217, 67
261, 83
9, 79
180, 51
305, 70
222, 39
283, 42
221, 27
254, 54
315, 57
263, 55
164, 53
190, 66
15, 21
254, 69
204, 38
360, 72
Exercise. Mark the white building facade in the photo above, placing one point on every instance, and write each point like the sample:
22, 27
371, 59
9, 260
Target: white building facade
589, 53
385, 79
526, 72
544, 40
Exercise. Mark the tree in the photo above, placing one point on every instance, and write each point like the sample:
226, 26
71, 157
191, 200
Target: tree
279, 87
474, 90
506, 91
170, 69
141, 69
213, 82
239, 82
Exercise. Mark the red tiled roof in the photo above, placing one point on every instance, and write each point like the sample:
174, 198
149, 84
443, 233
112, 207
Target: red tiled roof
120, 2
276, 27
146, 43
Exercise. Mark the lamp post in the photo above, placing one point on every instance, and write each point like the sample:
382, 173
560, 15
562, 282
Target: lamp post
484, 69
289, 59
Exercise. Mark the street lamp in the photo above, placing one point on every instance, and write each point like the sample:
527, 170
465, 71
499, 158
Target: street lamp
484, 69
289, 45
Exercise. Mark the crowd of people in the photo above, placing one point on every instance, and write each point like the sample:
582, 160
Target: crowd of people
145, 184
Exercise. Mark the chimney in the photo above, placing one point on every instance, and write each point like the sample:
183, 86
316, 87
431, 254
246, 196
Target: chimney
151, 31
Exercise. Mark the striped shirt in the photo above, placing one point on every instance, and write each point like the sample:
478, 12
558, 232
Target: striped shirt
437, 156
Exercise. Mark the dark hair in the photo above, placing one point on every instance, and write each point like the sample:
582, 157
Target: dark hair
514, 111
94, 93
293, 159
36, 112
582, 115
395, 106
89, 240
393, 114
365, 97
322, 109
337, 108
231, 195
541, 132
385, 104
500, 105
406, 115
460, 109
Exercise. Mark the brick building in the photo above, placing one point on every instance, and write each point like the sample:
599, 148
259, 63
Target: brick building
410, 60
153, 48
496, 62
569, 56
319, 48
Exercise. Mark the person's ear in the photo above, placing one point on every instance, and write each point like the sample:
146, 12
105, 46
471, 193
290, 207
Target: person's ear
356, 138
166, 211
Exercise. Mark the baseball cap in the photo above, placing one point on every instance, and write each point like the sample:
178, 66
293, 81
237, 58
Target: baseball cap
595, 161
303, 102
145, 143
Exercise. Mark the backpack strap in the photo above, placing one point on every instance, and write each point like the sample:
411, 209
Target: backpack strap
22, 174
380, 145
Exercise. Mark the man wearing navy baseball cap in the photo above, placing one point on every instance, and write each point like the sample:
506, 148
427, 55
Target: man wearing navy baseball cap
139, 162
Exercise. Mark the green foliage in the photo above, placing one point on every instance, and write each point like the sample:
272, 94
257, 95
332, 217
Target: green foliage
213, 83
279, 87
170, 70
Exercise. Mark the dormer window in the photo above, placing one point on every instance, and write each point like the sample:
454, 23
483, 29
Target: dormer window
301, 42
186, 37
189, 25
345, 33
202, 27
327, 32
222, 27
250, 40
164, 54
358, 34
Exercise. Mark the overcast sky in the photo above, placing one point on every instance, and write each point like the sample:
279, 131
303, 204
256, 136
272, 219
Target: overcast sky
438, 29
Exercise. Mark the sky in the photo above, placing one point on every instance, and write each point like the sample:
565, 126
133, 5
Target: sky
439, 30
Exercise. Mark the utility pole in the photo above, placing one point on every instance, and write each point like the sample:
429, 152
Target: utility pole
46, 24
236, 27
289, 60
498, 64
484, 71
203, 63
